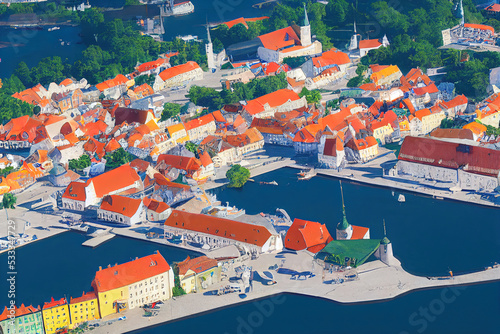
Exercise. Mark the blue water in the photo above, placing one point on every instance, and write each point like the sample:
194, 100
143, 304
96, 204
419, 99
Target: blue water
60, 265
31, 46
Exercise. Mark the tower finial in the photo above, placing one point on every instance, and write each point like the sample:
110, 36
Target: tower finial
342, 195
385, 234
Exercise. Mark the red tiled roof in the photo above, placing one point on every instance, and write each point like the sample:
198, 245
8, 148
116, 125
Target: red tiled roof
422, 113
66, 82
305, 234
180, 162
331, 57
427, 89
200, 121
156, 206
225, 228
18, 311
457, 101
112, 145
280, 39
453, 133
54, 303
85, 297
75, 191
358, 232
151, 65
369, 43
205, 159
198, 265
493, 8
130, 272
174, 71
120, 79
115, 179
474, 159
218, 116
479, 26
120, 204
274, 100
308, 134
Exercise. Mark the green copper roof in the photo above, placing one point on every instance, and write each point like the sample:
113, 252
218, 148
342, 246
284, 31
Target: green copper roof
306, 19
385, 241
344, 224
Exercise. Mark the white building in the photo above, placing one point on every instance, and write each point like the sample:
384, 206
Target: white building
177, 76
121, 209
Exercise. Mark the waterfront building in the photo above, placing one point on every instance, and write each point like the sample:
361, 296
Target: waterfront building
219, 232
363, 149
55, 315
121, 209
198, 274
83, 309
80, 195
331, 150
156, 210
384, 252
249, 141
177, 76
307, 139
266, 106
448, 164
132, 284
304, 234
200, 127
27, 319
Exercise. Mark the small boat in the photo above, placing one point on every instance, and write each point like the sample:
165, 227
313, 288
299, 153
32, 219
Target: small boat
53, 28
273, 183
306, 175
79, 227
401, 198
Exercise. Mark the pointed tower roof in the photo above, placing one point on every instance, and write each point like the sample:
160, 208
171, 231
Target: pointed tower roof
344, 224
306, 19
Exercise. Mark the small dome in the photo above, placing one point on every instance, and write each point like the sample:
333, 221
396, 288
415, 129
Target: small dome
57, 170
385, 241
343, 225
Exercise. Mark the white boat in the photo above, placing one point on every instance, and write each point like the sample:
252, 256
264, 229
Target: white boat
53, 28
307, 174
272, 183
79, 227
401, 198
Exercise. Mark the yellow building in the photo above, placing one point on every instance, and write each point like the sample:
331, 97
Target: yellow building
198, 273
386, 76
129, 285
83, 309
55, 315
489, 117
178, 133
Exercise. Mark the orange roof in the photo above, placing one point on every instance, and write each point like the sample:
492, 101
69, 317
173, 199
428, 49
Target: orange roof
205, 159
274, 100
174, 71
493, 8
152, 125
409, 105
120, 79
225, 228
475, 127
218, 116
155, 205
333, 121
280, 39
305, 234
18, 311
120, 204
239, 120
388, 71
115, 179
308, 134
144, 90
54, 303
180, 162
75, 191
94, 146
368, 86
244, 21
430, 89
85, 297
330, 57
422, 113
200, 121
130, 272
151, 65
175, 128
358, 232
66, 82
112, 145
198, 264
457, 101
369, 44
479, 26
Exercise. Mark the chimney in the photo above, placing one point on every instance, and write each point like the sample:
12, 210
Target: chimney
100, 268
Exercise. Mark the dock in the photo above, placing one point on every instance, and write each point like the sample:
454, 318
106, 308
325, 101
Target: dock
96, 241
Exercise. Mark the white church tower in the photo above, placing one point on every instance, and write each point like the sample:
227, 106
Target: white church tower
354, 39
344, 229
305, 30
210, 52
385, 41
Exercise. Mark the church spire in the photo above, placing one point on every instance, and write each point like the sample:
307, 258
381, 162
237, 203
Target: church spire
344, 224
306, 19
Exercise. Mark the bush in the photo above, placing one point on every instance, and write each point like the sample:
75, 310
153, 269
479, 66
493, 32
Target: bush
237, 176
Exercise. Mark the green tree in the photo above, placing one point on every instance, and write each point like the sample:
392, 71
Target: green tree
177, 290
237, 176
118, 158
79, 164
23, 73
9, 201
312, 96
192, 147
170, 110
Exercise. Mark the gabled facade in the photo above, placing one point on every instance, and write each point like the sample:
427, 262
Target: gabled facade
83, 309
177, 76
56, 315
26, 319
198, 274
121, 210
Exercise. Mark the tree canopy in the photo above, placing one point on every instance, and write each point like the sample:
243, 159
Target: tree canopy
237, 176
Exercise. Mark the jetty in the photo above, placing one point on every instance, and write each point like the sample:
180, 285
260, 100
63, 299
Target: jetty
96, 241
